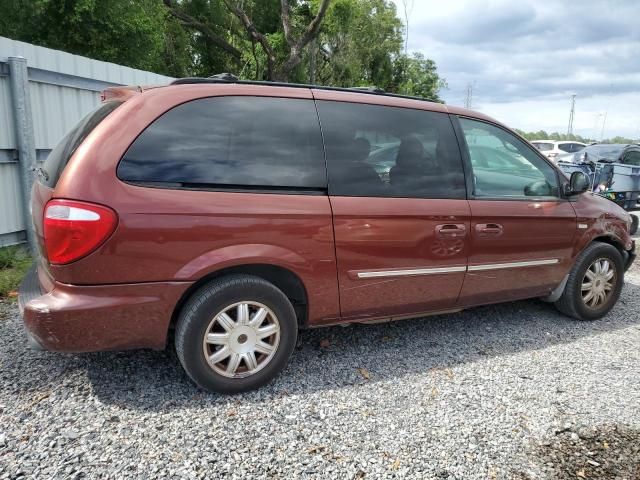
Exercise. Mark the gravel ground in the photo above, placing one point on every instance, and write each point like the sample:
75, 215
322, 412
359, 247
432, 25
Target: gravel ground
513, 391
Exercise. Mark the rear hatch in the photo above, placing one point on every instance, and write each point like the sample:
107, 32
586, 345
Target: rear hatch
49, 173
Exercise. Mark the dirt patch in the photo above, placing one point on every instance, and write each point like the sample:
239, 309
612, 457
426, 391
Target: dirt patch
604, 452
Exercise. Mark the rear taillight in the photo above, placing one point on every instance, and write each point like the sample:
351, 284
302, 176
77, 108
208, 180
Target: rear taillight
74, 229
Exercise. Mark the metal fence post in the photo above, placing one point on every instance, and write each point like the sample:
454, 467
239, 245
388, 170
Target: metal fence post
19, 81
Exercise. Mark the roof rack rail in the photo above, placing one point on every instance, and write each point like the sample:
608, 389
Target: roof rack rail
230, 78
225, 77
368, 89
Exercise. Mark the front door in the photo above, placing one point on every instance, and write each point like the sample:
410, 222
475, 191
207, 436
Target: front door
401, 218
522, 231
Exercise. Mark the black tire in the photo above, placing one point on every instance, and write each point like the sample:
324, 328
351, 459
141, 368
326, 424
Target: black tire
197, 314
571, 302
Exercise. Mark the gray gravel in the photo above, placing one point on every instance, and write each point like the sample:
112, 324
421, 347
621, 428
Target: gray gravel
509, 391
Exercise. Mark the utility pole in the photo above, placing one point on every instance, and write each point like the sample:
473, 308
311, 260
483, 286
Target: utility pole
408, 8
596, 124
603, 122
468, 101
573, 109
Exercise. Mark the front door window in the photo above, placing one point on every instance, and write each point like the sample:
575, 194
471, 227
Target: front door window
504, 166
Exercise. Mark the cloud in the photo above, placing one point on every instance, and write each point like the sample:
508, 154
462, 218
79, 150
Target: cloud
525, 58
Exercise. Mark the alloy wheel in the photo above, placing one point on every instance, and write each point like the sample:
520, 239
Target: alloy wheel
241, 339
598, 283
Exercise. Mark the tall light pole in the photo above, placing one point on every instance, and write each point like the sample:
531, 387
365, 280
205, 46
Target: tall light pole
571, 114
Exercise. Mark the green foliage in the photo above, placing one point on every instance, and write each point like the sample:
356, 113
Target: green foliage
112, 30
542, 135
360, 42
619, 139
417, 76
14, 263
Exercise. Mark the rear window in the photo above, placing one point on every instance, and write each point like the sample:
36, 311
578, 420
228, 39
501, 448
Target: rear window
233, 143
566, 147
543, 146
576, 147
60, 155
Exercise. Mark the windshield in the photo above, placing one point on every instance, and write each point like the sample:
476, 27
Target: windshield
59, 156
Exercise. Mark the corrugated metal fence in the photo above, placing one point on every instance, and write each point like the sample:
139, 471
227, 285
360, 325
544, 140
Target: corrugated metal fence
42, 95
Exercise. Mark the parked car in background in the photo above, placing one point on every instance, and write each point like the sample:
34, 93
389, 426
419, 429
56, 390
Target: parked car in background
628, 154
613, 171
551, 149
222, 210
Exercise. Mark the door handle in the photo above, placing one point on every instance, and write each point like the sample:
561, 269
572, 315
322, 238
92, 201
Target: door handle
489, 229
450, 230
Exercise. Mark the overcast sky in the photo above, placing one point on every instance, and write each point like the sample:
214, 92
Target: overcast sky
525, 58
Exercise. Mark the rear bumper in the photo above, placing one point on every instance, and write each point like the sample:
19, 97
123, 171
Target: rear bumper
29, 289
70, 318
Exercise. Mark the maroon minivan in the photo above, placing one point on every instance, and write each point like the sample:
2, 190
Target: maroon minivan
240, 212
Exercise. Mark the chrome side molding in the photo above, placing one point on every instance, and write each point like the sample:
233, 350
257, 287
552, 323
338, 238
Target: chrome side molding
500, 266
455, 269
411, 271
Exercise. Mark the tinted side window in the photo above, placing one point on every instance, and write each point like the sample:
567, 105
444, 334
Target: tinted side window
233, 142
632, 158
381, 151
504, 166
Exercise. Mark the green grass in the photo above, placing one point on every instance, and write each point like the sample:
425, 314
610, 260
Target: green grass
14, 263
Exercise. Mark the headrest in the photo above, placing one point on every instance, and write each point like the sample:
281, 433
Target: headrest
361, 149
411, 152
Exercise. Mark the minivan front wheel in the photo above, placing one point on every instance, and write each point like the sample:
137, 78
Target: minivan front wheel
594, 284
236, 334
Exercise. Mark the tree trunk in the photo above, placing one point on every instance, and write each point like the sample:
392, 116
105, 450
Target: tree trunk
313, 50
296, 46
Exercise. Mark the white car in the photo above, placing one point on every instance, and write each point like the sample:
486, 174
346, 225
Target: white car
551, 148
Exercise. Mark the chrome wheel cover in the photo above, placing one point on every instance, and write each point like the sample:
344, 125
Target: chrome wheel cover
241, 339
598, 283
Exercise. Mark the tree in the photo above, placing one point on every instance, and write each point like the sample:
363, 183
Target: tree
358, 43
296, 37
418, 76
128, 33
206, 19
331, 42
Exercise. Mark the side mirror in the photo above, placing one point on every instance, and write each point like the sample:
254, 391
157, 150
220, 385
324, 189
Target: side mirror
578, 183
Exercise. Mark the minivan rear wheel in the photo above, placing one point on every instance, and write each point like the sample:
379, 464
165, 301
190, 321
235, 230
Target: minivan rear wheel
594, 283
236, 334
